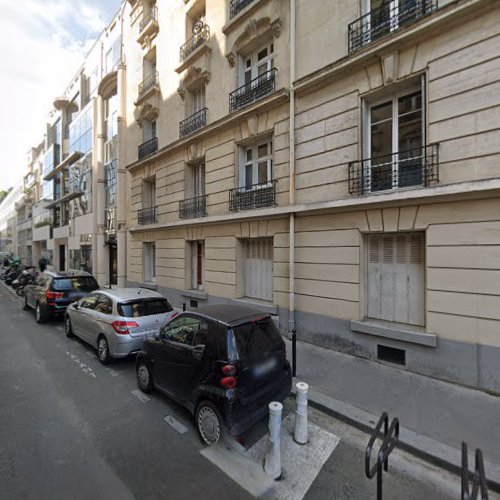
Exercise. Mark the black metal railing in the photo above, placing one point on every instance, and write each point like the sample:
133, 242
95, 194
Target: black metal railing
390, 439
255, 196
385, 19
236, 6
414, 167
147, 215
147, 17
147, 84
253, 91
193, 207
193, 123
148, 147
201, 33
477, 478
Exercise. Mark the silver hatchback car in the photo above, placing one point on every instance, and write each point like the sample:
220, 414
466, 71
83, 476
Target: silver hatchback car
117, 321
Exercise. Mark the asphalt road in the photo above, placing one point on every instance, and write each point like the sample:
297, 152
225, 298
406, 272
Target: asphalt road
71, 428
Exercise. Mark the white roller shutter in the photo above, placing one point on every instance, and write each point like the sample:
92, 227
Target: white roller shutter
259, 269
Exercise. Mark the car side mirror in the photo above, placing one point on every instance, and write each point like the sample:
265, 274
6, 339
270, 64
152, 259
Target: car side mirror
198, 352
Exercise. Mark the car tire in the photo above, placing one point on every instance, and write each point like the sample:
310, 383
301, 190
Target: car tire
25, 304
40, 314
209, 422
68, 329
144, 375
103, 350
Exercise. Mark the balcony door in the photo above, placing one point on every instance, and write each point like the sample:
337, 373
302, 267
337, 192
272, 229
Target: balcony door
395, 140
198, 99
257, 64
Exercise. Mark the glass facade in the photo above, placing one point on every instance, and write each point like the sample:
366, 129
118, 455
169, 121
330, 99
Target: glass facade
81, 259
80, 181
51, 158
80, 131
110, 184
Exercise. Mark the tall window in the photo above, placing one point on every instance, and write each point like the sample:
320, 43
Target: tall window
110, 170
256, 164
395, 277
80, 181
149, 264
111, 128
395, 139
197, 264
80, 131
113, 55
258, 63
197, 172
149, 193
198, 97
148, 130
259, 268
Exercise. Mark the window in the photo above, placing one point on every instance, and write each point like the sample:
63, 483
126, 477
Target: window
254, 339
80, 181
145, 307
149, 193
81, 131
149, 255
80, 283
197, 264
183, 330
259, 268
395, 280
90, 302
197, 184
148, 130
111, 117
198, 99
110, 171
92, 81
113, 55
104, 305
257, 64
394, 136
257, 163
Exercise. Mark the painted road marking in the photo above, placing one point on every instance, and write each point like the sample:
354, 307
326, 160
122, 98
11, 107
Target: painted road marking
112, 372
141, 396
85, 368
175, 424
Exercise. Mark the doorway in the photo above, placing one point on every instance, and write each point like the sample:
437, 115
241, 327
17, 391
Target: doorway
62, 257
113, 264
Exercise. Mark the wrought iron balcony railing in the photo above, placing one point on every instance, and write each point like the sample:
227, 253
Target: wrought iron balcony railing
201, 33
152, 15
147, 84
236, 6
415, 167
385, 19
255, 196
253, 91
193, 207
193, 123
148, 147
147, 215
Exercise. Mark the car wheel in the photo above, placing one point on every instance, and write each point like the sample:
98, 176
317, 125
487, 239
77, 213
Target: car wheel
40, 314
209, 422
67, 327
20, 291
144, 376
103, 350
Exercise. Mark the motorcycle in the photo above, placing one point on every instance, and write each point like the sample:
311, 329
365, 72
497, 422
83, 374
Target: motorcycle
27, 276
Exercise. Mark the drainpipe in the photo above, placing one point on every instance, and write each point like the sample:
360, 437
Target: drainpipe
291, 147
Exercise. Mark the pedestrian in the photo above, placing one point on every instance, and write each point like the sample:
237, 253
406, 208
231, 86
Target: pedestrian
42, 264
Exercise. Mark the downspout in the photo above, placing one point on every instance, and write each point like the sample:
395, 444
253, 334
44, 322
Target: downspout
291, 148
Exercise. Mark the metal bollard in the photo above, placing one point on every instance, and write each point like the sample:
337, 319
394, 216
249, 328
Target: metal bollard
272, 461
300, 429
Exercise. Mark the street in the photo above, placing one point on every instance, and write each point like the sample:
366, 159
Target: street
73, 428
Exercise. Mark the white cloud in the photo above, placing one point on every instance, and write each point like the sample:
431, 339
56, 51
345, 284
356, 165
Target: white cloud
42, 44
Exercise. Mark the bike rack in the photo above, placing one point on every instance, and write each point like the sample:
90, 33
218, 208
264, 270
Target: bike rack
477, 478
390, 440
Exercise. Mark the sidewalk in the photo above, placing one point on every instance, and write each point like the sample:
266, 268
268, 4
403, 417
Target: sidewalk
435, 416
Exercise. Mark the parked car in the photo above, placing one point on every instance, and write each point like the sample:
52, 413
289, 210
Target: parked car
51, 292
224, 363
116, 322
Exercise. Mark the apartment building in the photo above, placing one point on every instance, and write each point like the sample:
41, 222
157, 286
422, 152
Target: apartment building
373, 227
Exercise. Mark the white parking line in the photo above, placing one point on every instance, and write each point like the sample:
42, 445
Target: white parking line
175, 424
85, 368
112, 372
141, 396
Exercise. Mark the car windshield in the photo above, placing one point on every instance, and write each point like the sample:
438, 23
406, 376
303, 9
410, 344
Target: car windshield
144, 307
84, 283
252, 340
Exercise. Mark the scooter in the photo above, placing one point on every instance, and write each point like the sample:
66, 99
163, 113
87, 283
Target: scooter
27, 276
13, 275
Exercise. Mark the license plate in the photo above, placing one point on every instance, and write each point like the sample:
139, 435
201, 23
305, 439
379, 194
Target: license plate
265, 368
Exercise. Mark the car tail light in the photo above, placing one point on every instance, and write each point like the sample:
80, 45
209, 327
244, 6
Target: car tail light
122, 327
51, 296
174, 315
228, 382
229, 370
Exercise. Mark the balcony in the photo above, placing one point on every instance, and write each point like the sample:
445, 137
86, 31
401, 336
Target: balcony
410, 168
193, 123
148, 27
236, 6
389, 17
193, 208
253, 91
149, 84
147, 148
201, 33
147, 215
256, 196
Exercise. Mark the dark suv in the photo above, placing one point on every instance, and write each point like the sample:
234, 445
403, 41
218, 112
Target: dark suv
52, 292
224, 363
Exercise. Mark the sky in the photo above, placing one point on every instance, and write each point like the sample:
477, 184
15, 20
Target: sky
42, 44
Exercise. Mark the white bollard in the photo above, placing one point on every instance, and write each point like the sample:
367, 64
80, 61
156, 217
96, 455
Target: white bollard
300, 429
272, 461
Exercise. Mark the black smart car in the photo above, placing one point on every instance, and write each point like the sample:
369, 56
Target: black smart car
52, 292
224, 363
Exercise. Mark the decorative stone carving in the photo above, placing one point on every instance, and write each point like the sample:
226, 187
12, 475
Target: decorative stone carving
231, 59
390, 67
256, 31
252, 29
194, 78
145, 112
181, 91
276, 26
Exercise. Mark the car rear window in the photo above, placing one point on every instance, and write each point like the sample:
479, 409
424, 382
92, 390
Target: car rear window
145, 307
256, 338
83, 283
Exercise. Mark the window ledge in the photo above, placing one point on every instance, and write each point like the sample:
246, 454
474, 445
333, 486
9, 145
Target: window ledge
199, 51
195, 294
395, 331
241, 16
259, 304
